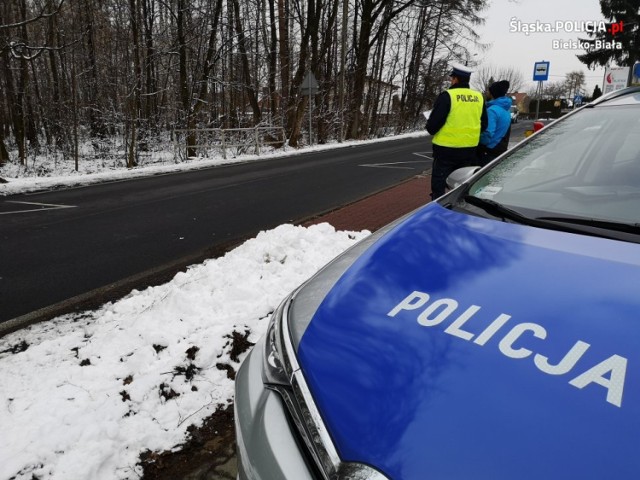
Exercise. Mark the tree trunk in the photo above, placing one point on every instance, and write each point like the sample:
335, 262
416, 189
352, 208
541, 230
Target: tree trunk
151, 94
30, 130
135, 100
209, 62
7, 82
248, 84
15, 96
285, 57
96, 123
54, 106
4, 154
359, 78
74, 93
343, 67
273, 62
195, 106
433, 50
297, 103
410, 97
183, 79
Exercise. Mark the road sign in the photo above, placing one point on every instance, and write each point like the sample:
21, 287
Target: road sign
636, 74
615, 78
541, 71
309, 85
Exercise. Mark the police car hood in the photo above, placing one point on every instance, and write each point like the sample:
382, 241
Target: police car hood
462, 347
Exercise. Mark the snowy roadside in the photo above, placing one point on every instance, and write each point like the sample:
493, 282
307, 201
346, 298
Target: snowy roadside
52, 174
84, 395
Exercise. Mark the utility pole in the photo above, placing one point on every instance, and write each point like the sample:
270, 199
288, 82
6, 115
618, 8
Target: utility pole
309, 87
343, 63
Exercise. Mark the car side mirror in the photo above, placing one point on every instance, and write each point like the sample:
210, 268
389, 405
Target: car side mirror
461, 175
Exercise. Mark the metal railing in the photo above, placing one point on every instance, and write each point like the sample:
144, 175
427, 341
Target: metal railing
235, 141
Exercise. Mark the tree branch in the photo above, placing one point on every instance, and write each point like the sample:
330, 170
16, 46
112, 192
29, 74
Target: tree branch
39, 16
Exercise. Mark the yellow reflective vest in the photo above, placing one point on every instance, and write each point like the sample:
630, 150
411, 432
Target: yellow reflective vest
462, 128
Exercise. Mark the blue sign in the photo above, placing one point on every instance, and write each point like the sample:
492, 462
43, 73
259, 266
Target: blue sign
577, 100
541, 72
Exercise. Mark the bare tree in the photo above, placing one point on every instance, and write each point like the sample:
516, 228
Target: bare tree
134, 97
309, 23
244, 58
555, 90
443, 31
485, 75
95, 70
375, 16
575, 83
44, 11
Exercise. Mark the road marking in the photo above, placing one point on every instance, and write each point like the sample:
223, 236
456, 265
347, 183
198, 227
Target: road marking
397, 165
424, 154
43, 206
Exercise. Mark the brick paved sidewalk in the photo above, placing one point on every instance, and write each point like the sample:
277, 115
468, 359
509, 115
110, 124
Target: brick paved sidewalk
381, 208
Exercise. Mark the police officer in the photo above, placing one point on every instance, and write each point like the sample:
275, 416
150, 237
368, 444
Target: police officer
457, 118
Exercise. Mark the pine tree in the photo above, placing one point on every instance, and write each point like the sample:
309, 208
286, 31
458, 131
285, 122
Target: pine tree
626, 15
597, 92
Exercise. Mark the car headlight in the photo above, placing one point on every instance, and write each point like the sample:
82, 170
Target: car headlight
281, 372
274, 374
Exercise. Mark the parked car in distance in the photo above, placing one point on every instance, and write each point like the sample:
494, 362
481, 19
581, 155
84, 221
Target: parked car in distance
514, 114
492, 334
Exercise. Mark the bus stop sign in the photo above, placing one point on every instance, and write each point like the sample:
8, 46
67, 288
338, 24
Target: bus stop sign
541, 72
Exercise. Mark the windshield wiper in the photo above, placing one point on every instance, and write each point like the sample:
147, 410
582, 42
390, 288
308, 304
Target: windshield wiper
624, 227
497, 209
589, 226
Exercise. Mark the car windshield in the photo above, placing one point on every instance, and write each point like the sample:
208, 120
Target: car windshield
586, 166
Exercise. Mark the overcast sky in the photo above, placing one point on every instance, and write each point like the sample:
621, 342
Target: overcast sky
509, 48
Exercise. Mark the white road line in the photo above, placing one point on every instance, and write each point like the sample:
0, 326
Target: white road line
390, 165
424, 154
385, 165
44, 206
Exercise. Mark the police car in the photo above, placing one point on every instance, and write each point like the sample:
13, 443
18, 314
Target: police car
492, 334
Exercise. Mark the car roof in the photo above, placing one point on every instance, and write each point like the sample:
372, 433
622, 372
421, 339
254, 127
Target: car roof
629, 95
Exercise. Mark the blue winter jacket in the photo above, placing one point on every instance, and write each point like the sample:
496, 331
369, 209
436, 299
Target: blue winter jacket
499, 121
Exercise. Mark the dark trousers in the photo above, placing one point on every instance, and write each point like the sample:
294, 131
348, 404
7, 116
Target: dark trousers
445, 161
487, 155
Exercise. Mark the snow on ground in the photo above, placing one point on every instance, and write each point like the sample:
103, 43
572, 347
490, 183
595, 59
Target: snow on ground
83, 395
46, 172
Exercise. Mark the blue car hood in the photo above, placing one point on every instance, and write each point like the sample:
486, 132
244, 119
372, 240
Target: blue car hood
457, 347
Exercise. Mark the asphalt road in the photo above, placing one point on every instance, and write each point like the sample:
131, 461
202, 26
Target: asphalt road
79, 247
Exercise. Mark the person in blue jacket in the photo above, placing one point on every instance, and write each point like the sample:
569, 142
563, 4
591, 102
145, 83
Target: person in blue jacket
494, 140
